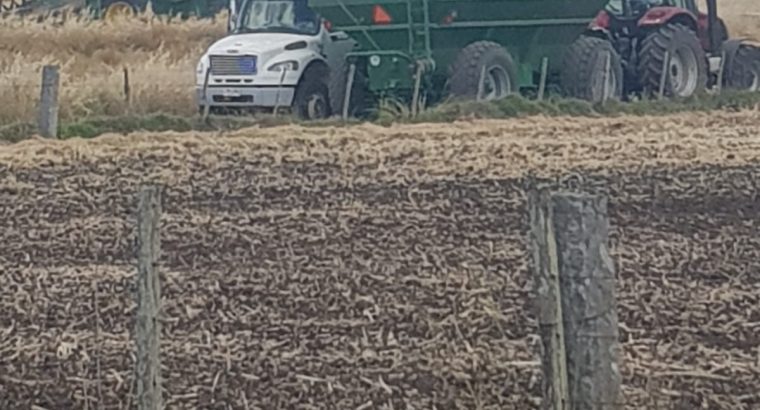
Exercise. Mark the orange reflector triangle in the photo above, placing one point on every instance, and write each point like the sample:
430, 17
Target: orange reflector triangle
380, 16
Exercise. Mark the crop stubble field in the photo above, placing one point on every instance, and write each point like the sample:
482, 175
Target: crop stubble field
161, 58
367, 267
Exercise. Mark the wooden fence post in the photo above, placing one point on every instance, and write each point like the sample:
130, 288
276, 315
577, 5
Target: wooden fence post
47, 122
576, 302
127, 89
148, 301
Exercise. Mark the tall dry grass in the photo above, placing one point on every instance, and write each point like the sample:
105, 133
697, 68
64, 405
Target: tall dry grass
159, 55
742, 17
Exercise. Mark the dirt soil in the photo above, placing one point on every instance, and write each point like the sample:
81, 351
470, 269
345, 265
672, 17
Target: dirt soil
368, 267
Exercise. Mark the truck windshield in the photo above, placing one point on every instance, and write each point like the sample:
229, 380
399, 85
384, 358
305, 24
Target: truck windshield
289, 16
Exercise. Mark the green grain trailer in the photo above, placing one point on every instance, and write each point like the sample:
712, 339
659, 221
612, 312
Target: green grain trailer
482, 49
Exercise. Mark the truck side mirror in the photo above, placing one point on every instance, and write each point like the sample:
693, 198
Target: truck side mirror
232, 16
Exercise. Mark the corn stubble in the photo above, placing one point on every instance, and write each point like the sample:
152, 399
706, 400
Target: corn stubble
161, 57
372, 267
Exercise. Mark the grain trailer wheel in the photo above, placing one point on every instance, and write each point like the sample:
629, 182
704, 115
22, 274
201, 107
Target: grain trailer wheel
338, 88
743, 71
483, 70
686, 70
587, 65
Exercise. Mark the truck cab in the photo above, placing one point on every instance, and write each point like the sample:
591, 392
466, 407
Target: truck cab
277, 54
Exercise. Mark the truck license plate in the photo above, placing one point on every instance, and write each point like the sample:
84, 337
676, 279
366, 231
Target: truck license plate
230, 93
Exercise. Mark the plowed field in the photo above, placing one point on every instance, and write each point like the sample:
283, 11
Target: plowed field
367, 267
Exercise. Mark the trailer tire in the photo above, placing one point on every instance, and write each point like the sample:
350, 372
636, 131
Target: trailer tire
476, 59
337, 90
583, 70
312, 98
744, 69
687, 71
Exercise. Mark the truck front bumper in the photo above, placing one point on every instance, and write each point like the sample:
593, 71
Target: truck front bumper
259, 96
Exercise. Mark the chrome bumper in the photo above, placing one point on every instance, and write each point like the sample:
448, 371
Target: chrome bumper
246, 96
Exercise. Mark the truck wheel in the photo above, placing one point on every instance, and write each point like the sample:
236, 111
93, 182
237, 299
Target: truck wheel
585, 69
484, 68
744, 71
686, 71
311, 100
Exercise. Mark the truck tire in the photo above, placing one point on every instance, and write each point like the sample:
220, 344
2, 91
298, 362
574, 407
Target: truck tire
477, 59
312, 97
744, 70
584, 70
687, 70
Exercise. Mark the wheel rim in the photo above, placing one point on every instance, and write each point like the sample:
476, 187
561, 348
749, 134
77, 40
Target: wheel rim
683, 72
118, 10
495, 83
316, 108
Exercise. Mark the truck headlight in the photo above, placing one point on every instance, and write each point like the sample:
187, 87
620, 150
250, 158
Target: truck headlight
285, 65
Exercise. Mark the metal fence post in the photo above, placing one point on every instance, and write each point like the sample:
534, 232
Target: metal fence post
542, 82
47, 122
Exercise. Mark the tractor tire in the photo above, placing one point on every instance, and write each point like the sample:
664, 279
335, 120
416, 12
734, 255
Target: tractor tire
337, 90
744, 70
312, 98
686, 72
484, 59
584, 70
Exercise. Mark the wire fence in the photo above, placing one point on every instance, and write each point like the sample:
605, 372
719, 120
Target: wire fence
81, 97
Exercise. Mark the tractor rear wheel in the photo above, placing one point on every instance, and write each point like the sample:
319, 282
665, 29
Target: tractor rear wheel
744, 69
483, 70
592, 70
686, 69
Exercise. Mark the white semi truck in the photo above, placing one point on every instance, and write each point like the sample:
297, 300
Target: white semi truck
277, 54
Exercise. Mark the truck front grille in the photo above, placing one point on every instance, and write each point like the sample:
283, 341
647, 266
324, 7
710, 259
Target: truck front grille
233, 65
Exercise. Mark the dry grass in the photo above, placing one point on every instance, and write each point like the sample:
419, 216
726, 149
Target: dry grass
335, 267
160, 56
742, 17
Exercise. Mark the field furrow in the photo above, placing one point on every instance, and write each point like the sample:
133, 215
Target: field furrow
335, 267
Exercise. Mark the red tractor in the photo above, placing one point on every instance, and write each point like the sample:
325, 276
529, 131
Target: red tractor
670, 46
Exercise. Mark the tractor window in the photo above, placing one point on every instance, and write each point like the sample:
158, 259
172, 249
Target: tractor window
615, 7
271, 16
691, 5
636, 7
